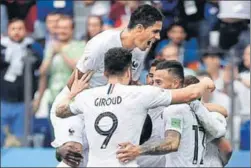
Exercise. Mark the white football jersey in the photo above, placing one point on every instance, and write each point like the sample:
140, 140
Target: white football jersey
180, 118
94, 53
115, 114
157, 134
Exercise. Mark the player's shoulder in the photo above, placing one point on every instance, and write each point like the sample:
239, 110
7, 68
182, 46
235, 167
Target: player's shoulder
177, 109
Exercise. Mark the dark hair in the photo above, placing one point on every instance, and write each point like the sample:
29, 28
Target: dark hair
145, 15
178, 23
117, 60
155, 62
15, 20
190, 79
173, 67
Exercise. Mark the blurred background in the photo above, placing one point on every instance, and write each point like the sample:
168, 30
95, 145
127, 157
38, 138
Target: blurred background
209, 37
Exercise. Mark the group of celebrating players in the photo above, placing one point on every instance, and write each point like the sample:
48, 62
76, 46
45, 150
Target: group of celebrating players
105, 118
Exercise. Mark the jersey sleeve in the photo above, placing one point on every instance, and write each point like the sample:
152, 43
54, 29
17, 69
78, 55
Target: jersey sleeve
75, 105
92, 56
212, 125
153, 97
173, 119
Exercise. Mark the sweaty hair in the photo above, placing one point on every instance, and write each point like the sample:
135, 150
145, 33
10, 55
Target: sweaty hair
145, 15
117, 60
173, 67
189, 80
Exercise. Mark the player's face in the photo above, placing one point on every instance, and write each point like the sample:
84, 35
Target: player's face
177, 34
64, 30
149, 79
147, 36
165, 80
246, 57
17, 31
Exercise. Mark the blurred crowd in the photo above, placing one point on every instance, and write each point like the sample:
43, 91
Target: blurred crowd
41, 42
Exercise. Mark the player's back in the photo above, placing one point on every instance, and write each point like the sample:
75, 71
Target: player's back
113, 114
180, 118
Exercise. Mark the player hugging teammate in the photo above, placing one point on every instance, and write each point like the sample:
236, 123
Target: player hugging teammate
98, 118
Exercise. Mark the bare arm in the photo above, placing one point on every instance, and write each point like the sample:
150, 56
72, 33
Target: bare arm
216, 108
78, 85
161, 147
129, 151
192, 92
225, 149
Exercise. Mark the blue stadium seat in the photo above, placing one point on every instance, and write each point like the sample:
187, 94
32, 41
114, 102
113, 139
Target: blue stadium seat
245, 136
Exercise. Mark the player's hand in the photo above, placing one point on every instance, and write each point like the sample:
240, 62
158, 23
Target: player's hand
70, 155
81, 84
209, 83
127, 152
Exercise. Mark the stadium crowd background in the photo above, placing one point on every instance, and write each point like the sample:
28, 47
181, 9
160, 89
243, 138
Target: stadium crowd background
207, 36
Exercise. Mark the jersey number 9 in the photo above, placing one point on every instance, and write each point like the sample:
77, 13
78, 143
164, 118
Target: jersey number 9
109, 132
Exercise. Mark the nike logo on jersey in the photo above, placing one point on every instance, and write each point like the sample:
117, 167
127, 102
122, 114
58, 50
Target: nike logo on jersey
135, 65
71, 131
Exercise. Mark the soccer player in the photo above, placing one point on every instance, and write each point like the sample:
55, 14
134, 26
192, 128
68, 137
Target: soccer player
149, 77
116, 112
142, 31
179, 123
218, 150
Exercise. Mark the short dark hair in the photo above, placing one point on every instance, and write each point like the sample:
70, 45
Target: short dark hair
155, 62
190, 79
117, 60
15, 20
145, 15
173, 67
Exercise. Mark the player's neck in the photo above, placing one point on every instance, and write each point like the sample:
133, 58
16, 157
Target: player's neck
117, 80
127, 39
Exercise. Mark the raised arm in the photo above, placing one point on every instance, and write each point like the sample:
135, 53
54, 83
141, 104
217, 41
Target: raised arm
216, 108
192, 92
63, 109
212, 122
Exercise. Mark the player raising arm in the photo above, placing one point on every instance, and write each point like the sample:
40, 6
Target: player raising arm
126, 106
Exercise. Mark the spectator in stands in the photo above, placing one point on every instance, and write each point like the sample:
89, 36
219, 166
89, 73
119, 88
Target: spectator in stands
16, 50
188, 49
241, 83
120, 12
60, 59
192, 12
4, 19
94, 27
234, 16
215, 97
51, 25
171, 52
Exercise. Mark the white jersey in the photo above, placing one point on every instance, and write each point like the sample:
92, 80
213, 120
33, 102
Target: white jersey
115, 114
157, 134
192, 143
94, 53
212, 157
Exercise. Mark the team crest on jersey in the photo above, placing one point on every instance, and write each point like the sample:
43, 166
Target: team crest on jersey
135, 65
71, 131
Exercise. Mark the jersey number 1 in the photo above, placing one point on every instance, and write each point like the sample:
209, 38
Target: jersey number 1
109, 132
196, 134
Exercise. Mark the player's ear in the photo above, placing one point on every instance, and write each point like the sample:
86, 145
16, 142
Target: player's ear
139, 28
